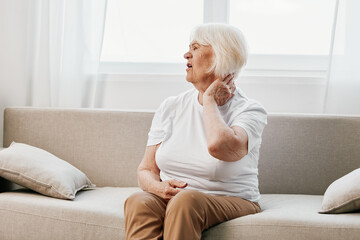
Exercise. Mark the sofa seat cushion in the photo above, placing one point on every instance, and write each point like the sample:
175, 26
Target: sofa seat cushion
289, 216
98, 214
93, 214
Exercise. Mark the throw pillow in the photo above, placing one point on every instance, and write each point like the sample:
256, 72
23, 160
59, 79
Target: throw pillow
343, 195
41, 171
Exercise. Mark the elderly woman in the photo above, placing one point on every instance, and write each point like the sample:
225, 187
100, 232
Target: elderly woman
200, 164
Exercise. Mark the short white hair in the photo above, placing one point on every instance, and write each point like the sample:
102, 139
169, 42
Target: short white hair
228, 43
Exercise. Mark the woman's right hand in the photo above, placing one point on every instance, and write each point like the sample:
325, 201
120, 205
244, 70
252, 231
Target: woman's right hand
221, 90
149, 177
169, 188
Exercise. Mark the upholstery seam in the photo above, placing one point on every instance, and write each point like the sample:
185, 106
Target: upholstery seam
240, 225
59, 219
296, 226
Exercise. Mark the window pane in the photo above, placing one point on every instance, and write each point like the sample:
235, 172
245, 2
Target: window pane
149, 31
284, 26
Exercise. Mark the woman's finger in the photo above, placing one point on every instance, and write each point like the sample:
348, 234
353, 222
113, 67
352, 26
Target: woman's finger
176, 183
173, 191
228, 78
170, 194
170, 190
231, 86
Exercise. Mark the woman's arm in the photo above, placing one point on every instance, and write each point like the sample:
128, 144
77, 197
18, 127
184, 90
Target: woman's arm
148, 175
224, 143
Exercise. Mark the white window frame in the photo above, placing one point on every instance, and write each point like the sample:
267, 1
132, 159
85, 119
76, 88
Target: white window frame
312, 66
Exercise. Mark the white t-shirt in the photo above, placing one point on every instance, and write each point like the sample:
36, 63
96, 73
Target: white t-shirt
183, 153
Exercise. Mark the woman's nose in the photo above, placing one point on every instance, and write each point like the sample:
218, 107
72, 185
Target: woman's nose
187, 55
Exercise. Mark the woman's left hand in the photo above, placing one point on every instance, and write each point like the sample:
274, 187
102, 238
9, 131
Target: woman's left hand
221, 90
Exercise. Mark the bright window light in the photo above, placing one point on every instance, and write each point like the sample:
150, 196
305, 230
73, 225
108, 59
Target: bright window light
294, 27
149, 31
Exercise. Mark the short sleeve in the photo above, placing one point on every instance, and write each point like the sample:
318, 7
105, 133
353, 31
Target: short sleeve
253, 120
156, 133
160, 123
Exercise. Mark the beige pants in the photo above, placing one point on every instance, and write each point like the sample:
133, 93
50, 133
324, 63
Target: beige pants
185, 216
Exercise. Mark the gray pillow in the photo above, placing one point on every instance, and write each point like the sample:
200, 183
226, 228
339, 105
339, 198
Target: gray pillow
41, 171
343, 195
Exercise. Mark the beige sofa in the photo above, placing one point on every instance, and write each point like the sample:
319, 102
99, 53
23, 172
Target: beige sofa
300, 156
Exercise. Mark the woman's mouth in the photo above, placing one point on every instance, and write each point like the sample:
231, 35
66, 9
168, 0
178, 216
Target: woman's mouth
189, 66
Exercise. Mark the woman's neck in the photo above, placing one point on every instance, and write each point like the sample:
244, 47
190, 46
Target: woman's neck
200, 98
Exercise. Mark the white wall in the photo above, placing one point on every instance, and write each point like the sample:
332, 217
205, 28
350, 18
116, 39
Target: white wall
13, 80
277, 94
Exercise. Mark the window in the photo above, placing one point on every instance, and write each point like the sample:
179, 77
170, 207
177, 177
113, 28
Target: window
155, 31
301, 27
152, 36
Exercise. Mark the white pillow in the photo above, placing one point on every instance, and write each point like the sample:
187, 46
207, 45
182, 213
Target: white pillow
41, 171
343, 195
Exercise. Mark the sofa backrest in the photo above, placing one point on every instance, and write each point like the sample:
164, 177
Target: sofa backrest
304, 154
300, 154
106, 145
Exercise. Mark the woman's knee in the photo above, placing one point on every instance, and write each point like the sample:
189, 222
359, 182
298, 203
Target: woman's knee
185, 216
144, 215
143, 201
186, 200
135, 199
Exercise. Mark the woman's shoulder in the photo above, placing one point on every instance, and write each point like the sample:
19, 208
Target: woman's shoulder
244, 104
179, 100
244, 110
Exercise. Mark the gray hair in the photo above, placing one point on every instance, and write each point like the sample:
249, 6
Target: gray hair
228, 43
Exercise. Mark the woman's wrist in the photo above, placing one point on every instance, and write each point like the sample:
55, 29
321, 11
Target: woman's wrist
209, 100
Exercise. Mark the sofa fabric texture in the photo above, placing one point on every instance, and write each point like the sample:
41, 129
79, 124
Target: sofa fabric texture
288, 216
114, 142
93, 214
98, 214
300, 156
94, 141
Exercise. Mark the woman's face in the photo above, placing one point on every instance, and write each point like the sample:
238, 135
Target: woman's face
199, 60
